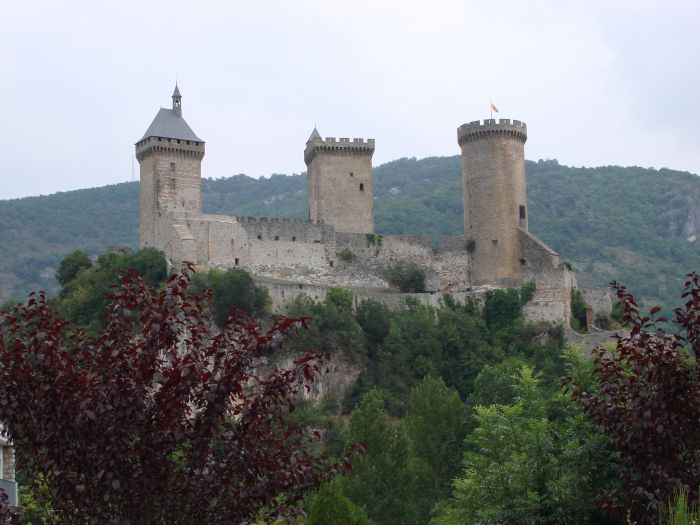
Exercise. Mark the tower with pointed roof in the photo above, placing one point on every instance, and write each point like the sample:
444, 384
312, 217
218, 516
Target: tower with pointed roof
170, 156
340, 185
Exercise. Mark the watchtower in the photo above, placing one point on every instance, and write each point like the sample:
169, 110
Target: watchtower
340, 186
170, 156
495, 198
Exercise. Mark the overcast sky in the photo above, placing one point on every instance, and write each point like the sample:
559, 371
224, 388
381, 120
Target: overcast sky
610, 82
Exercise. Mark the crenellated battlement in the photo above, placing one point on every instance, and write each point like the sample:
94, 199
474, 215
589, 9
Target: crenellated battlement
273, 220
490, 128
169, 147
340, 146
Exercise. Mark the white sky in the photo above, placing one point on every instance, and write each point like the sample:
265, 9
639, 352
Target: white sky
609, 82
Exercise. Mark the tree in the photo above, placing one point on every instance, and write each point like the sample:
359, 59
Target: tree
332, 326
83, 299
377, 481
232, 287
524, 467
435, 426
155, 419
329, 506
375, 319
71, 265
648, 404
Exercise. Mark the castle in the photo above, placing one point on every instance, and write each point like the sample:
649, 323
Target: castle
337, 245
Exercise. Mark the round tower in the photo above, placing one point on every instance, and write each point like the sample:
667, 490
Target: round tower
495, 198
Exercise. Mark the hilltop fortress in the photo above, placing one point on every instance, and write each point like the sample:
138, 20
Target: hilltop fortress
337, 244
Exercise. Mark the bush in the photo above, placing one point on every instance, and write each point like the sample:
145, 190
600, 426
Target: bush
330, 506
233, 287
407, 277
578, 311
347, 255
648, 404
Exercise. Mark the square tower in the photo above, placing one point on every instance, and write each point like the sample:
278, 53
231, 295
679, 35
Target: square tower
340, 185
170, 157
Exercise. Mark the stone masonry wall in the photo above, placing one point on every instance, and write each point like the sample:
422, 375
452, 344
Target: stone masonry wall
447, 266
599, 299
282, 293
8, 463
553, 281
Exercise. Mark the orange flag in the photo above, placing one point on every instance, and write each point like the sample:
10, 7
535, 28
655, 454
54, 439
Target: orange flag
493, 107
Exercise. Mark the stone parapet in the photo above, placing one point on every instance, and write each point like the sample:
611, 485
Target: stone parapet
490, 128
342, 146
169, 147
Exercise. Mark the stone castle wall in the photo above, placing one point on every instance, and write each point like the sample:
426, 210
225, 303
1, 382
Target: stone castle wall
599, 299
282, 293
446, 265
553, 281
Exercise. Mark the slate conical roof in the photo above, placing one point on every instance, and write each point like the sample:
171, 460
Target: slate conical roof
176, 93
314, 135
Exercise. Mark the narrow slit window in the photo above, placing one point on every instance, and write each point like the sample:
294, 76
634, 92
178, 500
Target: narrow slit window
172, 166
522, 212
494, 242
235, 261
362, 186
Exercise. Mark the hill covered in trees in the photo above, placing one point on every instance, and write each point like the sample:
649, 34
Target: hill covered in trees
628, 224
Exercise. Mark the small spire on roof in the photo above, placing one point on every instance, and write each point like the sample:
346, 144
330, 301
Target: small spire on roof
314, 134
177, 100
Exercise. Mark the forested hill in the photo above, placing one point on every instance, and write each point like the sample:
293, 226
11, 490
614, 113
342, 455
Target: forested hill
629, 224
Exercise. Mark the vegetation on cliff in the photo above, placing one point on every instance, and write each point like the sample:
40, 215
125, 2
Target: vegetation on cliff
461, 408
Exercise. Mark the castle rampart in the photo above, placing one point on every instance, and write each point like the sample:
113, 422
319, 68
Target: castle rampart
491, 129
343, 146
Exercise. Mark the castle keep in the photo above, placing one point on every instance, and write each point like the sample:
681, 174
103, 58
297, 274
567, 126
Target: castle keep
290, 256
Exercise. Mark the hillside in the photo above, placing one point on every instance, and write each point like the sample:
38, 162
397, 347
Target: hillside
629, 224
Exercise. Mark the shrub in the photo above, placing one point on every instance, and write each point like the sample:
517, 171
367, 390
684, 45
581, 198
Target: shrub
648, 404
347, 255
233, 287
407, 277
578, 311
156, 418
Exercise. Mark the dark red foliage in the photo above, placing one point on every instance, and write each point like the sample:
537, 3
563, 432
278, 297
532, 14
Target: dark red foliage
8, 515
649, 405
156, 419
